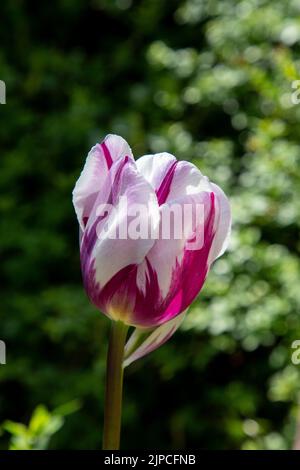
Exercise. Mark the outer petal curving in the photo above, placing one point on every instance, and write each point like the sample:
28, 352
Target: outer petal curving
171, 178
94, 173
168, 279
173, 274
151, 340
158, 170
107, 247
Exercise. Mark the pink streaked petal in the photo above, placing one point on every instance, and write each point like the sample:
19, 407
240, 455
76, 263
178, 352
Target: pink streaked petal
164, 188
106, 257
170, 178
158, 170
115, 147
187, 180
187, 274
153, 340
94, 173
173, 248
143, 285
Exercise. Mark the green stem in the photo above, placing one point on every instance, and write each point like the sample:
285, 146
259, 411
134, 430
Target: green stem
114, 386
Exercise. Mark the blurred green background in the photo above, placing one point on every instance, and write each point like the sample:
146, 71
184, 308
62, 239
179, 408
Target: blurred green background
211, 82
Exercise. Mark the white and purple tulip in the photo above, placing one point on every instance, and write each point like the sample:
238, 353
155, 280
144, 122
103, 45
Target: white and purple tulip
145, 282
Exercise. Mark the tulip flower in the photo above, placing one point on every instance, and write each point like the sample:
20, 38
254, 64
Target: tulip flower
137, 280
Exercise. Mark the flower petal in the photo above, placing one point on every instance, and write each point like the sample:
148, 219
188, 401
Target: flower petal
155, 168
170, 178
174, 279
166, 282
94, 173
104, 252
154, 340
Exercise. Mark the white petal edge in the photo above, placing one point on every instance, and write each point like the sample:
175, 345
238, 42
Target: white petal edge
223, 229
111, 255
154, 167
187, 178
94, 174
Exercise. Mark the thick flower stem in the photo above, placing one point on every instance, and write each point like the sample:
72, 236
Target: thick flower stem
114, 386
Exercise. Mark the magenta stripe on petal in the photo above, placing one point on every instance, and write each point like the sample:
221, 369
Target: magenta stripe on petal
111, 296
196, 263
89, 240
90, 234
107, 155
148, 308
164, 189
187, 280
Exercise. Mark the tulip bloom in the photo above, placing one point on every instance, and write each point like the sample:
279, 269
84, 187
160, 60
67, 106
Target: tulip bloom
147, 282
